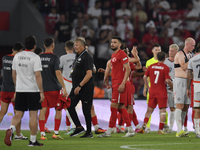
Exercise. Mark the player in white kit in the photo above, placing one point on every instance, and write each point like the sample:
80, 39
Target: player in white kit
194, 66
173, 49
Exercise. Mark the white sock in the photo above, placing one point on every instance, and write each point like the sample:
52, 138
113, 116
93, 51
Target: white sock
43, 133
56, 132
183, 115
178, 119
130, 129
138, 126
109, 130
171, 119
12, 127
96, 127
196, 125
33, 138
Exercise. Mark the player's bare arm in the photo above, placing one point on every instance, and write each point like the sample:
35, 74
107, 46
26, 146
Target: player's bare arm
38, 78
61, 81
169, 82
83, 82
126, 75
14, 81
189, 78
146, 84
181, 60
107, 73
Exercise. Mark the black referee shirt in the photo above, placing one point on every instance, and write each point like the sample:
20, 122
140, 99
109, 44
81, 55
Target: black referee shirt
82, 63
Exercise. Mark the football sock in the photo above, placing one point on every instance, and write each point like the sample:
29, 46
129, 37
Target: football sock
41, 125
67, 121
13, 128
113, 117
124, 113
178, 119
135, 121
47, 115
57, 124
183, 116
161, 125
149, 122
172, 118
196, 123
33, 138
94, 120
185, 122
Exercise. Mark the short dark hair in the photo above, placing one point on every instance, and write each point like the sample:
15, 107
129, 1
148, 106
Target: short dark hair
69, 45
48, 41
161, 56
97, 1
155, 45
17, 46
118, 38
38, 50
30, 41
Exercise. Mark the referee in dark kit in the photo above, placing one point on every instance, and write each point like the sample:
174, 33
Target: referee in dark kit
82, 88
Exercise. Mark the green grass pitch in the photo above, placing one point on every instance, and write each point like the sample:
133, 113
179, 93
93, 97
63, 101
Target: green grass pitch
151, 141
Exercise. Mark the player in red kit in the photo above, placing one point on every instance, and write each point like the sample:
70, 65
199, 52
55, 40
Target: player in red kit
120, 73
159, 76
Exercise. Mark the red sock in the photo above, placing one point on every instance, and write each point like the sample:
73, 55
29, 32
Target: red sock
135, 121
125, 116
146, 120
41, 125
185, 122
113, 117
57, 124
94, 120
120, 120
67, 121
161, 125
47, 115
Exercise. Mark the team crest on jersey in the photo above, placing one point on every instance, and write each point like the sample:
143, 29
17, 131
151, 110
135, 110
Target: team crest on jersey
79, 59
114, 59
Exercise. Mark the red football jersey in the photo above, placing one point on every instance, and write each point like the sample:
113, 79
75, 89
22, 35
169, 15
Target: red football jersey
118, 71
158, 73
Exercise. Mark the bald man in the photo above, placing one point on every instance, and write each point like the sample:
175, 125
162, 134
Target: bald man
180, 84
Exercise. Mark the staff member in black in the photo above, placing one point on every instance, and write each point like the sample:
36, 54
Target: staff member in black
82, 87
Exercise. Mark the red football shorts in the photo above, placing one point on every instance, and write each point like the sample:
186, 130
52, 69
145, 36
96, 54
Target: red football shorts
130, 94
63, 103
7, 96
153, 101
50, 99
119, 97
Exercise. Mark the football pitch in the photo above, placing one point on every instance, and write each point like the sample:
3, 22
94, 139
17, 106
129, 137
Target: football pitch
151, 141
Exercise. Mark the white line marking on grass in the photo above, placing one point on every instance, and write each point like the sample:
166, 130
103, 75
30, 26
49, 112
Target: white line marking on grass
140, 145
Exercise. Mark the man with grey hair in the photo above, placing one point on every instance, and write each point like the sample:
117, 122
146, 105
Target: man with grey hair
173, 49
180, 84
82, 87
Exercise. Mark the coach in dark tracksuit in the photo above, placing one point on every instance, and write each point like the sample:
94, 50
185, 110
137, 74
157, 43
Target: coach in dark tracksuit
82, 88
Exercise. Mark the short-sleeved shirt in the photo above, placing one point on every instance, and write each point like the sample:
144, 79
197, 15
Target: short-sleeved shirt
7, 83
66, 62
62, 28
26, 63
158, 73
170, 64
50, 64
194, 65
81, 65
118, 71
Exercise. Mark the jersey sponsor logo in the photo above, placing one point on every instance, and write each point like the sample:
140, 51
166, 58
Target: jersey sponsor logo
114, 99
22, 65
24, 58
6, 68
124, 59
7, 61
45, 66
45, 58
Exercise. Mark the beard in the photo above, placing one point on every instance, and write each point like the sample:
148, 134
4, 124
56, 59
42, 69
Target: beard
114, 48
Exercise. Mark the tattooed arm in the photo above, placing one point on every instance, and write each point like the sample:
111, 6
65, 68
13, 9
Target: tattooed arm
189, 77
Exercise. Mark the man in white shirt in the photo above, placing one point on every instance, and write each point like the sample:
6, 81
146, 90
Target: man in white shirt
122, 11
26, 73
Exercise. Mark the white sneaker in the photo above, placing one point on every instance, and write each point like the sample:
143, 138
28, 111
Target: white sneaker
104, 135
126, 130
148, 130
129, 134
21, 137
